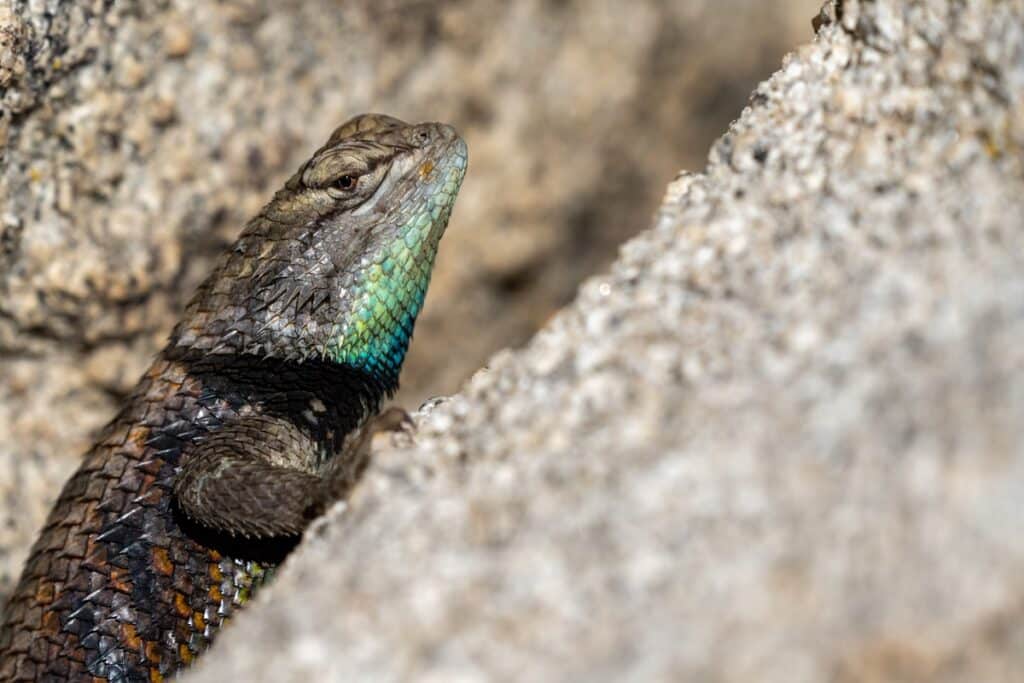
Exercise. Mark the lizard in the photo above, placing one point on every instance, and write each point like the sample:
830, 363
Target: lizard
253, 419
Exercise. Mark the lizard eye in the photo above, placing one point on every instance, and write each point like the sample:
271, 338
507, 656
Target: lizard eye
345, 182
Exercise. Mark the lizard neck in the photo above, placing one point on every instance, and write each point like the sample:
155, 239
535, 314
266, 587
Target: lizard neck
375, 334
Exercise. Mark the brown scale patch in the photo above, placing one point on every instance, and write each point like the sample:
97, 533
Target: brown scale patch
148, 494
155, 676
181, 606
150, 467
158, 371
185, 654
51, 622
95, 554
198, 621
162, 561
426, 169
118, 582
138, 436
187, 383
152, 651
78, 655
130, 637
45, 592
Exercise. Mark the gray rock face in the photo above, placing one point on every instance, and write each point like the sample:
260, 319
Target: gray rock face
781, 440
137, 137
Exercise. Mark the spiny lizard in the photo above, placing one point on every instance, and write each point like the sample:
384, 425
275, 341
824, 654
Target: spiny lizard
256, 415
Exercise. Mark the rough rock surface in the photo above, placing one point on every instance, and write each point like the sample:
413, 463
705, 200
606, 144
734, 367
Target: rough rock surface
781, 440
137, 137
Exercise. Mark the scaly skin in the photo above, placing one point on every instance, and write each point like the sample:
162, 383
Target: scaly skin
256, 415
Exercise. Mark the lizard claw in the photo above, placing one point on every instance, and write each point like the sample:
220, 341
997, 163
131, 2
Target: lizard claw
346, 467
392, 419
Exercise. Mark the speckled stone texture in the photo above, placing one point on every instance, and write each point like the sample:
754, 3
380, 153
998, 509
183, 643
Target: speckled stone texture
136, 138
781, 440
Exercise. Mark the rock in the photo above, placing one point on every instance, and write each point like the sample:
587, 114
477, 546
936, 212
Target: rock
782, 439
177, 40
139, 137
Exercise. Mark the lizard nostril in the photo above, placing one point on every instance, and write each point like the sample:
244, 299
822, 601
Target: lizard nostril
422, 136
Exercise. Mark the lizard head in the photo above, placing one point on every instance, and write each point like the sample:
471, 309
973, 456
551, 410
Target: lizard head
336, 266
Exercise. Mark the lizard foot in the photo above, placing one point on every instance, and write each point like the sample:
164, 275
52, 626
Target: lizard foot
346, 467
392, 419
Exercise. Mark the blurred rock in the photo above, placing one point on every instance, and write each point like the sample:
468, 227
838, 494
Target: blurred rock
138, 137
781, 440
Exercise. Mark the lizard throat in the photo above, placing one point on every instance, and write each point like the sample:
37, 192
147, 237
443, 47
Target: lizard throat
389, 294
